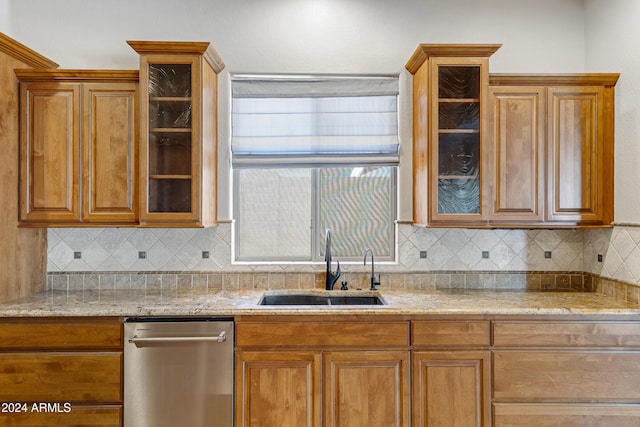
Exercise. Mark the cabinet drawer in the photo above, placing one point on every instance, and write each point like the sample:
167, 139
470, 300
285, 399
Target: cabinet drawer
61, 377
80, 416
60, 335
556, 334
565, 415
449, 334
325, 334
568, 375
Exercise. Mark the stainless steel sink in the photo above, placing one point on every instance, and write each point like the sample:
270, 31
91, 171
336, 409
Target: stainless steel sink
294, 299
356, 300
319, 299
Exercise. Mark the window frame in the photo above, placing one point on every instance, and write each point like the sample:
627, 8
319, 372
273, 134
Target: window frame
315, 163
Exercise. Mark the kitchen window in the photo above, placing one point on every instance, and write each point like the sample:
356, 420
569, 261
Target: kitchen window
311, 153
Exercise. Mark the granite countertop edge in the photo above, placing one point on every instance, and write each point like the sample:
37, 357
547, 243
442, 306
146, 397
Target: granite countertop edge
229, 303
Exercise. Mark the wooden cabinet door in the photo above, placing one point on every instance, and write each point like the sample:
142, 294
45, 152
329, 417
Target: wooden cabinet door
276, 389
366, 388
451, 389
516, 133
576, 123
109, 154
458, 191
49, 152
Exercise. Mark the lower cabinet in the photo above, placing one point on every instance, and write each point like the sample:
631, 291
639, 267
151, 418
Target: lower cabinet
278, 388
297, 388
60, 373
334, 374
366, 388
451, 388
570, 374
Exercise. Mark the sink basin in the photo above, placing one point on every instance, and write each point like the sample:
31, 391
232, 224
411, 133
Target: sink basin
315, 299
356, 300
294, 299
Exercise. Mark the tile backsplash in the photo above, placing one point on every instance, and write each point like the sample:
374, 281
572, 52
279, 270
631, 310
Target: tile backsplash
181, 249
602, 260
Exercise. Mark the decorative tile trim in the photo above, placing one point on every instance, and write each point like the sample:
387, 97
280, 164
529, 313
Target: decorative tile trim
620, 291
445, 279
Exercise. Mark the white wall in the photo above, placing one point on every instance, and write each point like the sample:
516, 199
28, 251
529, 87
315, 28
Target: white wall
4, 16
322, 36
306, 36
612, 45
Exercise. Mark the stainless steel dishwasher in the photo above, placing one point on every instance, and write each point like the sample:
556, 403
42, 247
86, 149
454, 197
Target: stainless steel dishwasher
178, 373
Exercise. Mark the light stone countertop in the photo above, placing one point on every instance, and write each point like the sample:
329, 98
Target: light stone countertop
200, 302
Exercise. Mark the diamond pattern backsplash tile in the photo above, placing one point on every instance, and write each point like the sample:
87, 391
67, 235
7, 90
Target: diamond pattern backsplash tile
619, 251
119, 249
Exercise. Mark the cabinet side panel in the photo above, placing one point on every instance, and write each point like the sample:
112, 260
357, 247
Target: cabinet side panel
23, 250
209, 146
421, 146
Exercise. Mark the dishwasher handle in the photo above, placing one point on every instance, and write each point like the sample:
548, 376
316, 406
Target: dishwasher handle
158, 340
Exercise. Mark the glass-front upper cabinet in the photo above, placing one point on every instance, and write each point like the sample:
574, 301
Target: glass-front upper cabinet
449, 87
178, 164
170, 169
458, 139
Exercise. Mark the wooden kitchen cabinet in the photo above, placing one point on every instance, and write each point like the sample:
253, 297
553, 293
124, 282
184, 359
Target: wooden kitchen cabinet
451, 388
497, 150
575, 374
63, 372
278, 388
552, 149
450, 85
451, 380
178, 155
348, 373
516, 133
580, 162
366, 388
78, 147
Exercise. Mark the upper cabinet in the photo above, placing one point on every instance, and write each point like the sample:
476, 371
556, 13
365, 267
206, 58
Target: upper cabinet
78, 147
450, 85
509, 150
553, 147
178, 128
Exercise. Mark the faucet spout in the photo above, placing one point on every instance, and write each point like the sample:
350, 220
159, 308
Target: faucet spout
332, 277
374, 282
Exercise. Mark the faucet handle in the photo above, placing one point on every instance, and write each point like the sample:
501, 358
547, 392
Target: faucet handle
374, 282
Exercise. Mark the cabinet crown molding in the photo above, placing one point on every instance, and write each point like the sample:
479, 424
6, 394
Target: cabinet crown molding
48, 75
23, 53
425, 51
176, 48
583, 79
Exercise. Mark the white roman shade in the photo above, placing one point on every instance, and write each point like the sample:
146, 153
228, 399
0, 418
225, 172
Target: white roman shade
314, 120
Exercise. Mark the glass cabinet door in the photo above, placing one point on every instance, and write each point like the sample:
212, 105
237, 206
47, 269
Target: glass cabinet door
457, 184
458, 139
170, 138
